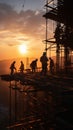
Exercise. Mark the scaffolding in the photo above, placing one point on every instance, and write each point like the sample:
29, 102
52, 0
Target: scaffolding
38, 103
60, 11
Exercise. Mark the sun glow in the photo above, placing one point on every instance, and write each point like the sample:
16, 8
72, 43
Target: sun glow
22, 48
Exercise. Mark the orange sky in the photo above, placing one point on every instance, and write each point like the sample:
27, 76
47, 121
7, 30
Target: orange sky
26, 27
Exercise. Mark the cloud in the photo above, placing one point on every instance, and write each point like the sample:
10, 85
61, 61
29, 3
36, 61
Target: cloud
6, 13
22, 26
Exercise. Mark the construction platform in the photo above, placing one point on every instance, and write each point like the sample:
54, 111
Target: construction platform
45, 101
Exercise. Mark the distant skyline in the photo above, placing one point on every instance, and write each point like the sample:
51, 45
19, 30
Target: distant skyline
22, 22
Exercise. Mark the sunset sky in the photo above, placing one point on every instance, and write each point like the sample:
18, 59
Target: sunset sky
21, 23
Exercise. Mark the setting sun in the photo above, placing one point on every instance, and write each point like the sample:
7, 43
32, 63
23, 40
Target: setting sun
22, 48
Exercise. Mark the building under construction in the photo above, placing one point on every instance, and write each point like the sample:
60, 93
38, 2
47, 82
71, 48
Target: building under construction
60, 11
45, 102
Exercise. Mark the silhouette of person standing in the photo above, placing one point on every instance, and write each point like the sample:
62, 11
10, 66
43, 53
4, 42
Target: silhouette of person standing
21, 67
51, 65
33, 65
44, 60
12, 67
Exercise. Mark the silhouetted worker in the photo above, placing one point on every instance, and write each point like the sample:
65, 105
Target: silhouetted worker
12, 67
44, 60
33, 65
22, 67
51, 65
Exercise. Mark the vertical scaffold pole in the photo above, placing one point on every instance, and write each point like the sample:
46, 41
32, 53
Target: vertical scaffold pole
10, 104
15, 101
46, 26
